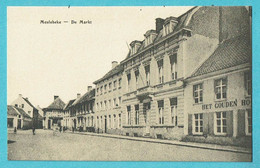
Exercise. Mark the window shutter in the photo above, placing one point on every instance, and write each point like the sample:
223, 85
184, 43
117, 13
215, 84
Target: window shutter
230, 123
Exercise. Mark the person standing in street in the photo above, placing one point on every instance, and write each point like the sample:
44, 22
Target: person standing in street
33, 130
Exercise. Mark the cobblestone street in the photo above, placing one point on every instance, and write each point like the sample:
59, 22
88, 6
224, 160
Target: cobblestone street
65, 146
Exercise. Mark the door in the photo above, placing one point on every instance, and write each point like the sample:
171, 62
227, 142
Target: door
49, 124
19, 125
147, 107
105, 124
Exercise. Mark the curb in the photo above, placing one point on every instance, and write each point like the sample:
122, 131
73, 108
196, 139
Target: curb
166, 142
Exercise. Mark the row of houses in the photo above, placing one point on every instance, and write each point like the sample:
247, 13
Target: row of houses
191, 75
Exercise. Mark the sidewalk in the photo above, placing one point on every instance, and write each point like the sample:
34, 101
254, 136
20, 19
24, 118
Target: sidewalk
172, 142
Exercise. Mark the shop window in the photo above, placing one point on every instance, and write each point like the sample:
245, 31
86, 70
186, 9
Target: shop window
198, 93
174, 116
221, 122
147, 74
248, 123
248, 83
160, 112
221, 89
173, 62
137, 114
160, 70
198, 124
129, 115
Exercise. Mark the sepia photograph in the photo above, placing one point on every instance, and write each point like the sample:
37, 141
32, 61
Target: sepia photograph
129, 83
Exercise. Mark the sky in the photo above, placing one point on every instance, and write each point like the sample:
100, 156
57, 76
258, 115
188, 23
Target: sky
44, 60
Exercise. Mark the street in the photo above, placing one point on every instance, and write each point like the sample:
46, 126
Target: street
67, 146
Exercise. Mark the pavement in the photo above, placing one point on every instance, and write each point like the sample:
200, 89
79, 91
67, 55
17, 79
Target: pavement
82, 146
172, 142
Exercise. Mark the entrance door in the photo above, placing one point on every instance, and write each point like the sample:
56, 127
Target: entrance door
49, 124
75, 123
105, 124
147, 107
19, 125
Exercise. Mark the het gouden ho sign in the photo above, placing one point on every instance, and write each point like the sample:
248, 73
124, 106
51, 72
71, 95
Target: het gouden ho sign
226, 104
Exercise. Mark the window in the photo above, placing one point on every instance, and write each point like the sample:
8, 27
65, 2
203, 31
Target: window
198, 124
248, 83
173, 61
115, 105
101, 89
16, 105
114, 122
97, 106
105, 104
22, 105
136, 114
109, 123
101, 122
174, 116
221, 88
119, 83
160, 111
97, 122
198, 93
248, 122
119, 100
101, 106
29, 112
221, 123
160, 70
115, 84
168, 28
105, 87
119, 121
97, 90
109, 104
136, 78
110, 85
129, 115
147, 74
129, 82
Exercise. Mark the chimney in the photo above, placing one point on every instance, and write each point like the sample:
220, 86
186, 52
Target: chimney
89, 88
55, 97
78, 95
20, 95
114, 64
159, 24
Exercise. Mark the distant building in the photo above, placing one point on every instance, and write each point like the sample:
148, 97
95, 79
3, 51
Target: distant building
28, 107
18, 118
67, 118
53, 114
108, 101
40, 117
82, 111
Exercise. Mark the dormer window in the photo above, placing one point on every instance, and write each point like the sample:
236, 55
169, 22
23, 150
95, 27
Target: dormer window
150, 35
135, 46
169, 25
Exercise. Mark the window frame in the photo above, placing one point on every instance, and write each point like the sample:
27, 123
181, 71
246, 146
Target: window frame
198, 91
199, 120
247, 122
174, 112
221, 123
161, 113
221, 88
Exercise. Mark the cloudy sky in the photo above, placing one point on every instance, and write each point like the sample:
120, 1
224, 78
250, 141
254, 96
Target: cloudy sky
44, 60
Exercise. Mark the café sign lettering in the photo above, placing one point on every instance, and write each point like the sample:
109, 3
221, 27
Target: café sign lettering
226, 104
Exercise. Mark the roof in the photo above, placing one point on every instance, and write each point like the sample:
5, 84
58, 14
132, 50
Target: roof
232, 52
69, 104
28, 102
11, 111
57, 104
87, 96
182, 21
14, 111
119, 68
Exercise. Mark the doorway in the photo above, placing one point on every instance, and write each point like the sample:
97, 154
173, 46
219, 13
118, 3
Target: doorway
105, 124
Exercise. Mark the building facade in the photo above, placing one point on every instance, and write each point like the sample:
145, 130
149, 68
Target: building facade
29, 109
17, 118
218, 102
53, 114
108, 101
81, 112
156, 68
